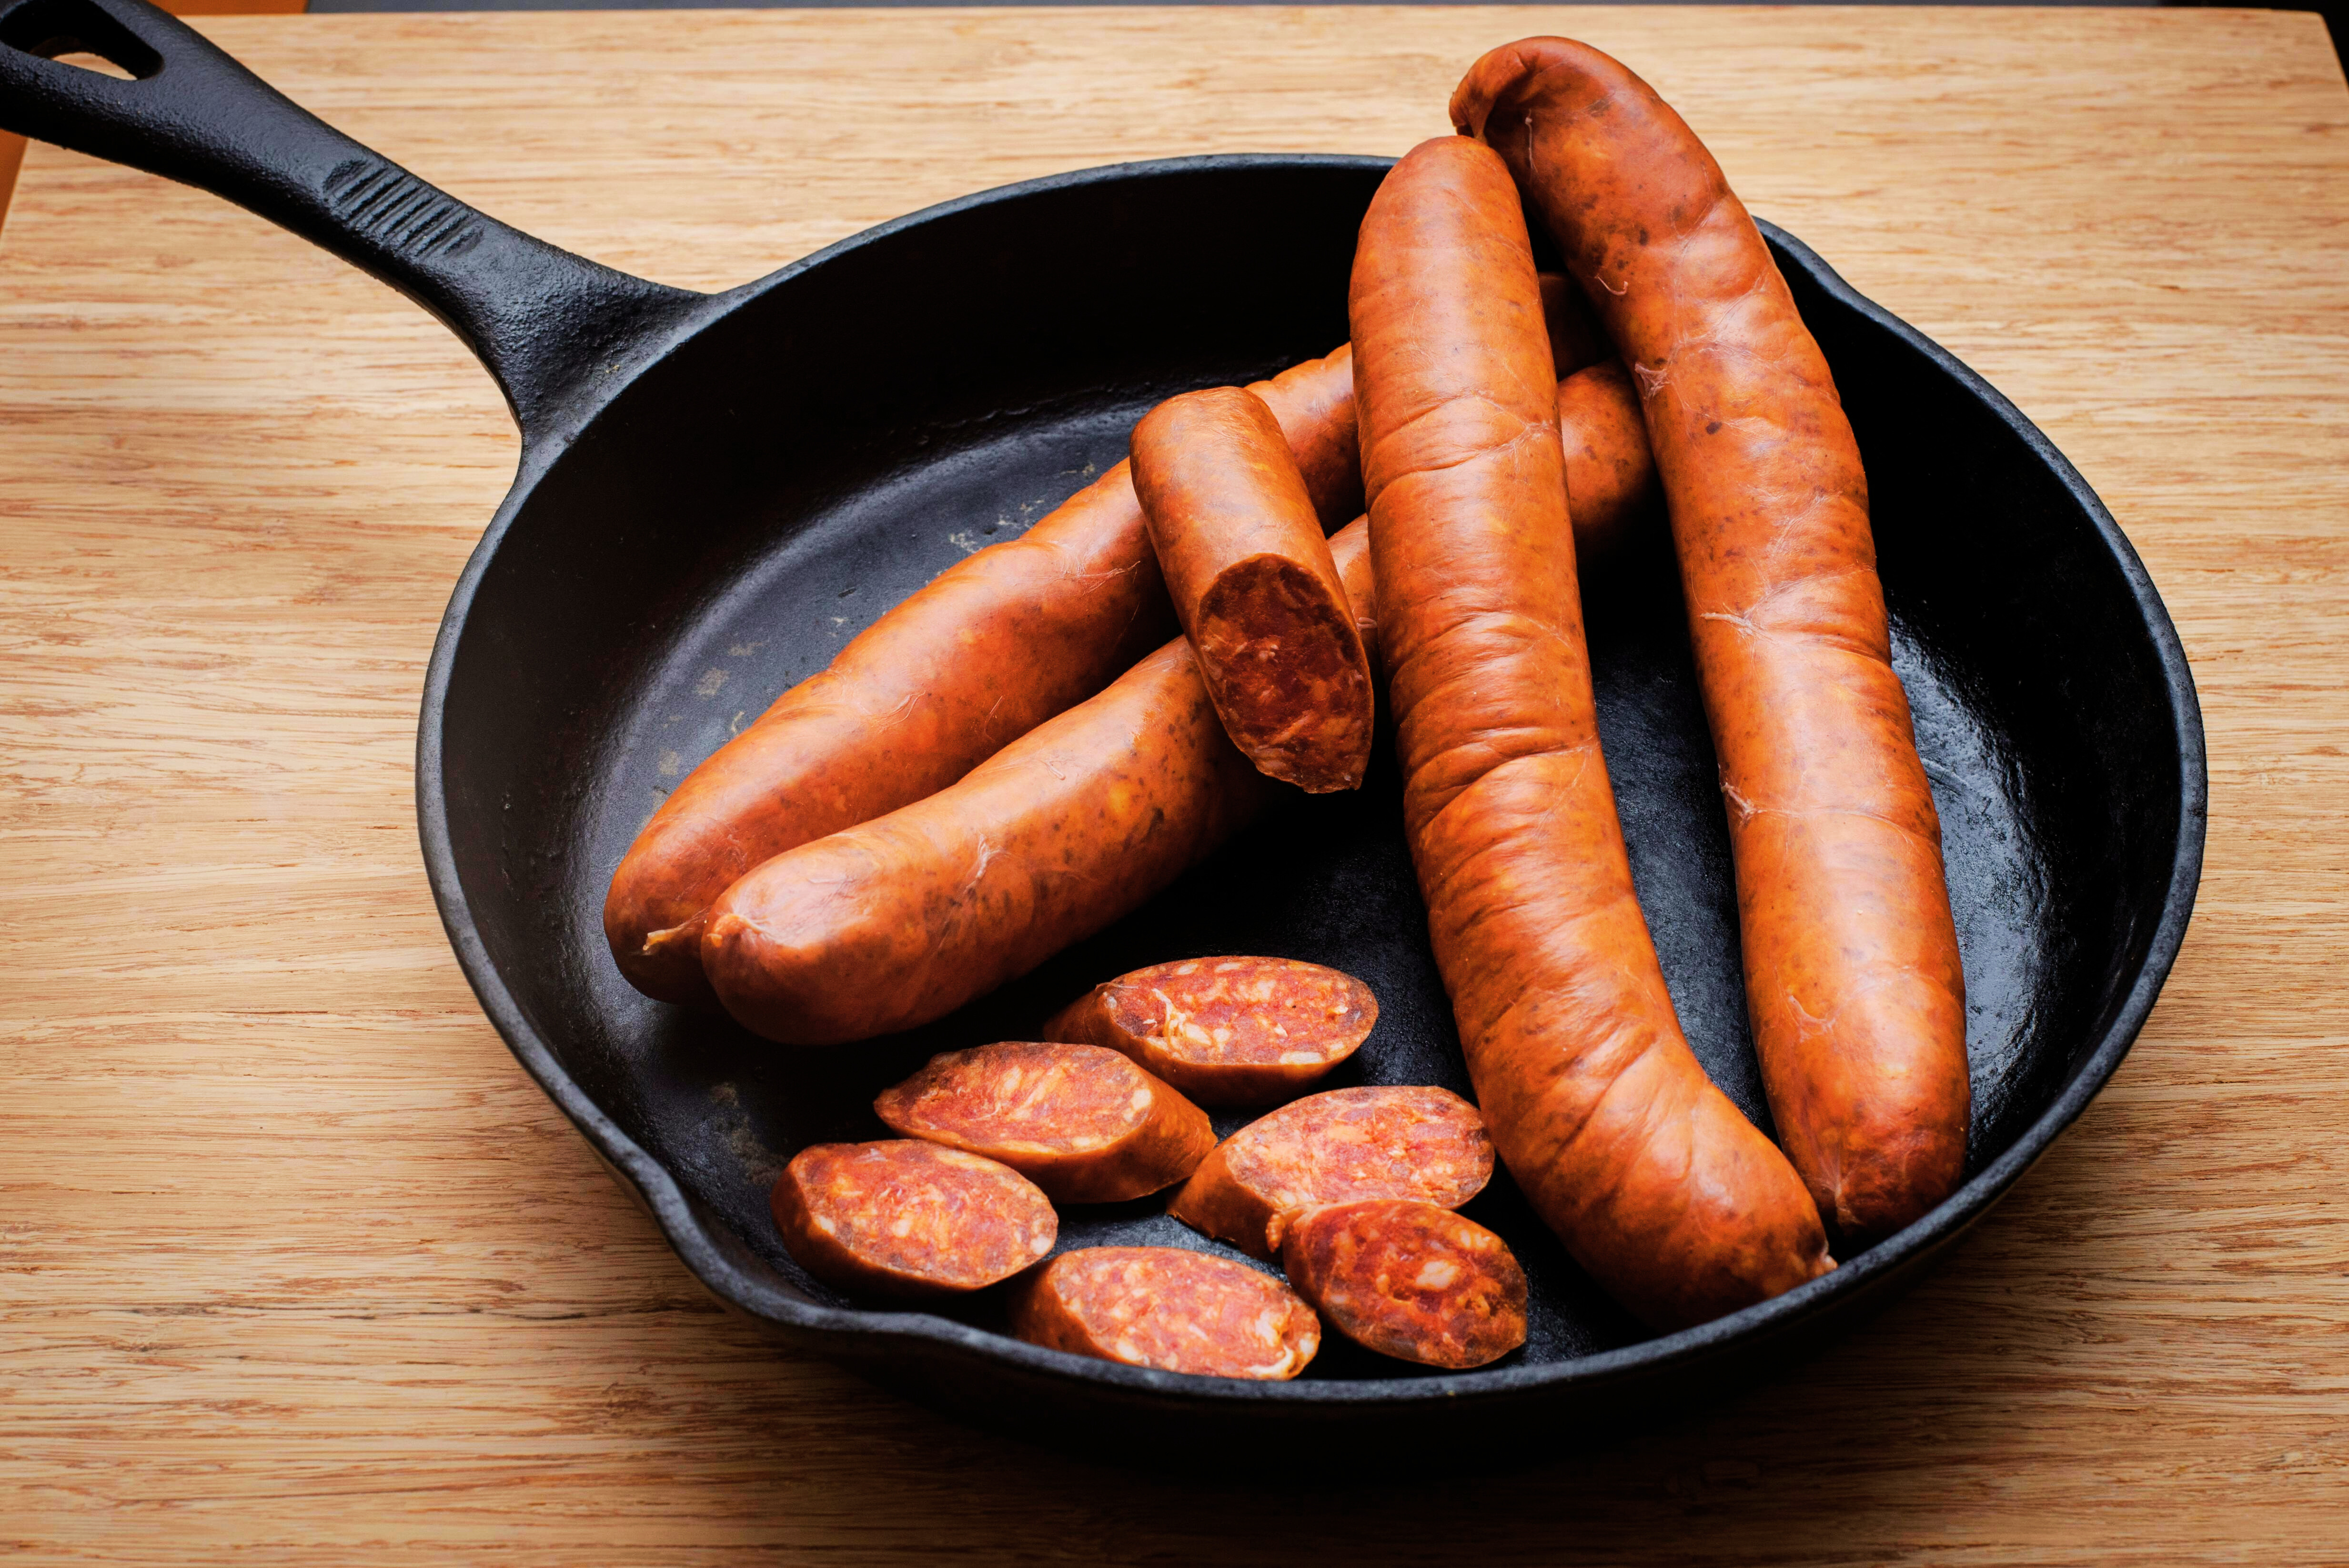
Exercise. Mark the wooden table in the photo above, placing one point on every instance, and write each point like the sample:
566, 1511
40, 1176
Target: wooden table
294, 1258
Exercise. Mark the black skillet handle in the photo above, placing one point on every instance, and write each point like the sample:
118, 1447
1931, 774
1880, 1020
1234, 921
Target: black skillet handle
546, 323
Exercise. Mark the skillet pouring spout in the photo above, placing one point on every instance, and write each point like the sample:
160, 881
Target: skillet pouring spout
552, 328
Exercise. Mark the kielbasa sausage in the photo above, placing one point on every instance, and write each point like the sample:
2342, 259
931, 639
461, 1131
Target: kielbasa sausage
1852, 974
1657, 1185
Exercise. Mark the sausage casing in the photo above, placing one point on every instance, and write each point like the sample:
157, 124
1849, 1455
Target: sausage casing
1652, 1178
1852, 971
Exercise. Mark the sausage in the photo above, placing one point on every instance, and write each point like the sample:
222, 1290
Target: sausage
989, 649
1226, 1031
1408, 1280
1670, 1199
899, 921
1610, 481
909, 1219
1247, 566
1084, 1123
1333, 1147
1165, 1307
902, 919
1852, 973
992, 648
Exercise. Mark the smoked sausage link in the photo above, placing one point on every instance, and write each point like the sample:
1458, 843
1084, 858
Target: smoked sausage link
899, 921
909, 1219
989, 649
1852, 975
1331, 1148
1226, 1031
1164, 1308
1082, 1122
1653, 1179
1408, 1280
1246, 564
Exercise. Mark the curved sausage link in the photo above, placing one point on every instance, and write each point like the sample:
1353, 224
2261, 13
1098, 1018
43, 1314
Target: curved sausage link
1654, 1180
1852, 975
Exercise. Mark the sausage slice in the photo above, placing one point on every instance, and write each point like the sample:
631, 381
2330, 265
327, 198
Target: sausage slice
1165, 1307
908, 1219
1084, 1123
1408, 1280
1227, 1031
1346, 1143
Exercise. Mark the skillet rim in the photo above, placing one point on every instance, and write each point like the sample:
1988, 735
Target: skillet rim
856, 1335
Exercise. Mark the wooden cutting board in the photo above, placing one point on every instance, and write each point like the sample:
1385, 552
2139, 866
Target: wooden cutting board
295, 1264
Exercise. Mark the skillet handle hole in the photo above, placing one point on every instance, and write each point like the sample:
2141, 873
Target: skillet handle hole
78, 34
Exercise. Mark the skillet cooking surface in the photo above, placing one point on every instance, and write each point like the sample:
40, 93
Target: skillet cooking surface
862, 421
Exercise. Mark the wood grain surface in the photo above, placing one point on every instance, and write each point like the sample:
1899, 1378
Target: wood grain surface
295, 1264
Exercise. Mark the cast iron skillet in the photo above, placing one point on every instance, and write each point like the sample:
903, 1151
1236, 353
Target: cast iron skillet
717, 491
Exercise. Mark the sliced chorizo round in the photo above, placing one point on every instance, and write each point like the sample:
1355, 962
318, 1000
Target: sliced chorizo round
1408, 1280
1230, 1031
1082, 1122
1427, 1144
906, 1219
1165, 1307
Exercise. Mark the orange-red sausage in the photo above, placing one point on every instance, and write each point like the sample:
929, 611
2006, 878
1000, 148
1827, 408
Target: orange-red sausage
1331, 1148
1246, 564
899, 921
1226, 1031
1082, 1122
909, 1219
1852, 975
1656, 1183
1408, 1280
989, 649
1167, 1307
